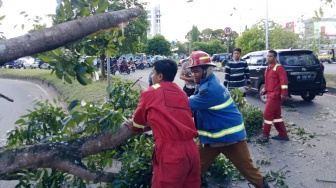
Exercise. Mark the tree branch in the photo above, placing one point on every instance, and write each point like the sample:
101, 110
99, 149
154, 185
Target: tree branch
64, 156
61, 34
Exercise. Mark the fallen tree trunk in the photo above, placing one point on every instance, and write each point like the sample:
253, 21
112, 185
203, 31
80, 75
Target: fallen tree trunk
64, 156
58, 35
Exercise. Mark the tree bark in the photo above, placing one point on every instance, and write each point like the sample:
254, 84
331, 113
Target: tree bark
64, 156
61, 34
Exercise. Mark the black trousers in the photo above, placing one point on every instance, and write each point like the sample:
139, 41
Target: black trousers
188, 91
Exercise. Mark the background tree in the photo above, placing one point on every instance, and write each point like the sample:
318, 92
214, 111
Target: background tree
254, 39
181, 48
158, 45
211, 47
127, 39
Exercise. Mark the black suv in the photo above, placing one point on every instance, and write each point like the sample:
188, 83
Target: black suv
304, 72
221, 57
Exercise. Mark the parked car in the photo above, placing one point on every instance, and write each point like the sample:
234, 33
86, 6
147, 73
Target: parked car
148, 60
37, 63
182, 61
19, 63
28, 61
46, 66
155, 58
304, 72
220, 58
10, 65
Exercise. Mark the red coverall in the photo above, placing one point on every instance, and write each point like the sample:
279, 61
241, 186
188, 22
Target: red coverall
175, 160
276, 84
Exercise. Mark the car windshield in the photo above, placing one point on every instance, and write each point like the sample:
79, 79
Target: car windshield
221, 57
256, 60
298, 59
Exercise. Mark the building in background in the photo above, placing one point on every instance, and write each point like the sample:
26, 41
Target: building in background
326, 27
153, 17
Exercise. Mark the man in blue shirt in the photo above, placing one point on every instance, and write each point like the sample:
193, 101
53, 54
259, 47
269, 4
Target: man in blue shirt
219, 124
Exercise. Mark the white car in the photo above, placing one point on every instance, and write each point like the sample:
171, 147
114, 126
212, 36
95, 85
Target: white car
27, 61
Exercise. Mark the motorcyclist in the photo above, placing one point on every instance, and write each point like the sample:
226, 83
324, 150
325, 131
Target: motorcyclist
123, 63
131, 63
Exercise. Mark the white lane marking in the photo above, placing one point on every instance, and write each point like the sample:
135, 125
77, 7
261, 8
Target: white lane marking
44, 91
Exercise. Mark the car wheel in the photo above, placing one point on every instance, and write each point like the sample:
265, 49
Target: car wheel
263, 98
308, 97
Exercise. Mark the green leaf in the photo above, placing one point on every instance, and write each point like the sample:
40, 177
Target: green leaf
67, 79
20, 121
45, 58
68, 118
46, 139
2, 17
82, 79
84, 12
73, 104
102, 6
22, 26
79, 69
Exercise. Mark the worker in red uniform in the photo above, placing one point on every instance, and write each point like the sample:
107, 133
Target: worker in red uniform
165, 108
276, 90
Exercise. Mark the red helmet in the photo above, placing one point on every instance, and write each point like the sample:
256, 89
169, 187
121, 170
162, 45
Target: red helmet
200, 58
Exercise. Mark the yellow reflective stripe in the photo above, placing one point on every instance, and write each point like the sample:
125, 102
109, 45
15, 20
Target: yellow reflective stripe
267, 122
221, 106
284, 86
138, 125
277, 120
275, 66
157, 85
204, 57
223, 132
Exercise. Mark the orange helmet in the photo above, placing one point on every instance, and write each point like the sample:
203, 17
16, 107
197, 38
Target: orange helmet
200, 58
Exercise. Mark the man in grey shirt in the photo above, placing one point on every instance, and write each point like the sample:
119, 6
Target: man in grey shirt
189, 87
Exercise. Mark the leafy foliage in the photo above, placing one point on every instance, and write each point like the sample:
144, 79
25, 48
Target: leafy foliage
158, 45
126, 39
223, 168
49, 123
136, 161
211, 47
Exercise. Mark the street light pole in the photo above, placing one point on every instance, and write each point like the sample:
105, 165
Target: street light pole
266, 24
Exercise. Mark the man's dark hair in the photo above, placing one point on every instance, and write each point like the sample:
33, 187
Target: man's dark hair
237, 49
167, 67
273, 52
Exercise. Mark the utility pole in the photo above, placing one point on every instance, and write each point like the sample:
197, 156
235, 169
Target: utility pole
266, 25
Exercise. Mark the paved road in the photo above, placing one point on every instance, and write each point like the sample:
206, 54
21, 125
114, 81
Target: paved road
24, 95
301, 161
329, 68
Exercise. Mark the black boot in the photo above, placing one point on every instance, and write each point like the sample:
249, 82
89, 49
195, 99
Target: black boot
265, 184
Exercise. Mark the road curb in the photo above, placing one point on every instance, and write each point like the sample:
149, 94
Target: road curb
43, 82
331, 90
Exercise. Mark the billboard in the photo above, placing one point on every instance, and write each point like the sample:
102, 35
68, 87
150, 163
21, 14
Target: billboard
290, 26
326, 28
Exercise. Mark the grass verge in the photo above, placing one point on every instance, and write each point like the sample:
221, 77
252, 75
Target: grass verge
331, 80
95, 92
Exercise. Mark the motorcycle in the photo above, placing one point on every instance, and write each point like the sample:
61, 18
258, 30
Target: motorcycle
139, 65
124, 68
114, 68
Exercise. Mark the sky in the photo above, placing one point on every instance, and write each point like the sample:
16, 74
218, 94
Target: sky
178, 16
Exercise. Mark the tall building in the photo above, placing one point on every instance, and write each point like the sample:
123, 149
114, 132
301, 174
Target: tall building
153, 17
